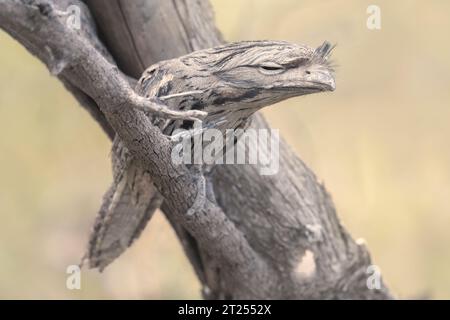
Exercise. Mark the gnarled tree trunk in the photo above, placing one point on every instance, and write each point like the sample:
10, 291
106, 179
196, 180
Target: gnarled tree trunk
265, 236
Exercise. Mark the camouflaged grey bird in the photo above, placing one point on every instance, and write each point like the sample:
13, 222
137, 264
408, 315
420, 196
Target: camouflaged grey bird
230, 83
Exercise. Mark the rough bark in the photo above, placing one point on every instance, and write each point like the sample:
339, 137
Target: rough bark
254, 236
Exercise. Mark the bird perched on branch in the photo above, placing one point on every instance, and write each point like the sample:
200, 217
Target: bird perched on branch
230, 83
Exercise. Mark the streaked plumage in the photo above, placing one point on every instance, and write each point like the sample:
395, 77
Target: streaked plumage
236, 80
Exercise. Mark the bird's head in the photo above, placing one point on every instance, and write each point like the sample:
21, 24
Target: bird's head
248, 74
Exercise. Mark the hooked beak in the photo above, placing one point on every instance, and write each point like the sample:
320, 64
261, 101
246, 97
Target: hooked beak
320, 78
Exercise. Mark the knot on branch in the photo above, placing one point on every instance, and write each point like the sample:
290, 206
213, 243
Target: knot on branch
44, 8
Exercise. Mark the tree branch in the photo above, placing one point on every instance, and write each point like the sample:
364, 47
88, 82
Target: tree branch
69, 56
285, 217
255, 240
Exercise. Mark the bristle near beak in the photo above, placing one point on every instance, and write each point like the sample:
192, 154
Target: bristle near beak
324, 50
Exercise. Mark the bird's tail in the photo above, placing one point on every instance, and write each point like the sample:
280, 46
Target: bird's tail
127, 207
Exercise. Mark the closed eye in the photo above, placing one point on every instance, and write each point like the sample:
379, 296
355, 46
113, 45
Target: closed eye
271, 68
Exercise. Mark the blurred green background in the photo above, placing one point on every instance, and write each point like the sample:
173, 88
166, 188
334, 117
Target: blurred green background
380, 142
